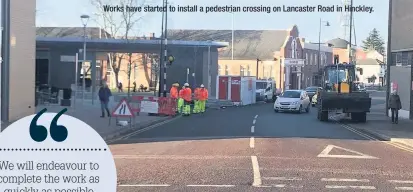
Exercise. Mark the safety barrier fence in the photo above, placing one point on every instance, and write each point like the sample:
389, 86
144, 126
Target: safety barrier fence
151, 105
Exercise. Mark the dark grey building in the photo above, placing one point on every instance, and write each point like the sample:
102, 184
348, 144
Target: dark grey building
401, 34
56, 48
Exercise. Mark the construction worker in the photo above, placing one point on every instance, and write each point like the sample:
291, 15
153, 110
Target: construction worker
187, 96
203, 98
181, 99
196, 100
174, 93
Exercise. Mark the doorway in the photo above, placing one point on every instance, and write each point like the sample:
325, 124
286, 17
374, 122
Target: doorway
42, 72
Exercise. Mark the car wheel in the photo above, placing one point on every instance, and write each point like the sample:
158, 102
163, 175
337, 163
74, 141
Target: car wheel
275, 110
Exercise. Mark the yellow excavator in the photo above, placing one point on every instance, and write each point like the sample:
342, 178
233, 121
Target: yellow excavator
340, 92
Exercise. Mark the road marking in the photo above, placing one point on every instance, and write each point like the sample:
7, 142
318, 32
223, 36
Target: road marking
146, 185
253, 122
256, 116
252, 142
404, 188
400, 181
374, 139
252, 129
327, 150
345, 180
256, 171
280, 186
349, 187
283, 178
178, 157
210, 185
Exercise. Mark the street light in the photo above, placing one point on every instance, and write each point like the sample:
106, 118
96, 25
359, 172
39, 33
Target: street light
85, 19
327, 24
232, 35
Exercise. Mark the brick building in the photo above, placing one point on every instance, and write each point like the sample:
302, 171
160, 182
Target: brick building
311, 67
267, 50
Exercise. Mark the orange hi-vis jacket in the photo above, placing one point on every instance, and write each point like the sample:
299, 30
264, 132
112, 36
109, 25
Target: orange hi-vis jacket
187, 94
203, 94
196, 93
174, 92
181, 93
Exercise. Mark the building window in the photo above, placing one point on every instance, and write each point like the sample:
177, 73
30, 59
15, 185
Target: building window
316, 58
241, 71
270, 72
219, 69
294, 48
311, 59
248, 71
405, 58
336, 59
306, 58
226, 69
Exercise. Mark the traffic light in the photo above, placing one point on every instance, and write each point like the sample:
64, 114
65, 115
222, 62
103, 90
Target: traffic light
171, 59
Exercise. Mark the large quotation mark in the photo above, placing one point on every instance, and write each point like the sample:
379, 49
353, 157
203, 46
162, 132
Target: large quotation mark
39, 133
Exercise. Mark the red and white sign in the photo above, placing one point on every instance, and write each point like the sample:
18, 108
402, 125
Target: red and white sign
123, 109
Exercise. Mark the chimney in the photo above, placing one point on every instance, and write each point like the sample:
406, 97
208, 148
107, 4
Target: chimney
151, 35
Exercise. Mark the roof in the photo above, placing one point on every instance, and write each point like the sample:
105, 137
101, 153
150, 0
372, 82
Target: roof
368, 61
338, 43
92, 32
120, 44
248, 44
313, 46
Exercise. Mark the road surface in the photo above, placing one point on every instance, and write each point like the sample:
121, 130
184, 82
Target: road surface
254, 149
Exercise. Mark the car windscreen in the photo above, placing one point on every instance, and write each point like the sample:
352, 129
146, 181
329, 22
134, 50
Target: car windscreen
291, 94
261, 85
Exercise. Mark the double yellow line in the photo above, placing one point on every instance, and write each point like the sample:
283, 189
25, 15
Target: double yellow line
394, 144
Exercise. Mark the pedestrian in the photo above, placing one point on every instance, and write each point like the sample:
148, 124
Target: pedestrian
187, 96
196, 100
120, 87
203, 92
104, 95
134, 87
181, 99
173, 93
395, 105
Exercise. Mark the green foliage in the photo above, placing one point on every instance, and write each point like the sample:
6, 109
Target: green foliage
374, 42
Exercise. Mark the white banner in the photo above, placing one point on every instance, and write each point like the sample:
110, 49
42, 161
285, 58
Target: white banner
293, 62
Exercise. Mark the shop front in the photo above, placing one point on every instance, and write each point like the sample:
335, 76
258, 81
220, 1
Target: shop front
293, 73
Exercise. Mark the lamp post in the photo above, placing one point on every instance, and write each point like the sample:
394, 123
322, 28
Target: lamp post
327, 24
85, 19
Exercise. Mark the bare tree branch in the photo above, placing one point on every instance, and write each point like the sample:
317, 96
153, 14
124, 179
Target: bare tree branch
118, 26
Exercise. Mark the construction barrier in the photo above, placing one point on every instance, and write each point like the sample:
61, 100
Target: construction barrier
153, 105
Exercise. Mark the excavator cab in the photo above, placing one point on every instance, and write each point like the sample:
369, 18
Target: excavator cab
339, 78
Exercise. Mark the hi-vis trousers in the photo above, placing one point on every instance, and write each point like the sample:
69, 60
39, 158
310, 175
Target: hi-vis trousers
180, 105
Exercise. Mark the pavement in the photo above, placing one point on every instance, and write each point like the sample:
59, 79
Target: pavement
252, 148
106, 127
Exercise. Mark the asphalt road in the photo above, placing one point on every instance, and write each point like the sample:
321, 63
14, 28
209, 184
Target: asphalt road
254, 149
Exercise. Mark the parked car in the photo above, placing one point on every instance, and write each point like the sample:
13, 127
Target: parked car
293, 101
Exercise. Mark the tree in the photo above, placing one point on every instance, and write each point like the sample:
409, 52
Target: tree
374, 42
118, 26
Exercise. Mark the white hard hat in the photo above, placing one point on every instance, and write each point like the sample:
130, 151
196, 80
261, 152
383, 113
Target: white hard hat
202, 85
186, 84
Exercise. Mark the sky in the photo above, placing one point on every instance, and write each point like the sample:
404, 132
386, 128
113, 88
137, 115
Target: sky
59, 13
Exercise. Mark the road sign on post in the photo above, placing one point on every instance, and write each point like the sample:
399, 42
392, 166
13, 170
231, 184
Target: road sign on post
123, 109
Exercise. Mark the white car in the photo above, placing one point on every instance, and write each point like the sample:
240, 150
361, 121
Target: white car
294, 101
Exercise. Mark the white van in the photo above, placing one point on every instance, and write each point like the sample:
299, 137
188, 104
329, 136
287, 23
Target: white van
266, 90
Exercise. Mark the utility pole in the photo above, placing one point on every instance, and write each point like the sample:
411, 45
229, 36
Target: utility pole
350, 58
165, 48
161, 61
